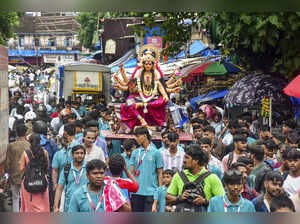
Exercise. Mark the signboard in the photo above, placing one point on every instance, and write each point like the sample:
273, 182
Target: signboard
156, 41
110, 46
56, 58
87, 81
15, 60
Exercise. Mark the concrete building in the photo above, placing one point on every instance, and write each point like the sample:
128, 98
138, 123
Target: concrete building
44, 38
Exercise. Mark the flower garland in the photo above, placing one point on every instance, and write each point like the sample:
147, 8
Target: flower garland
146, 100
154, 93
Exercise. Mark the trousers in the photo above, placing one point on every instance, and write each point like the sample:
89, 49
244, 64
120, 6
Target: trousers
15, 189
141, 203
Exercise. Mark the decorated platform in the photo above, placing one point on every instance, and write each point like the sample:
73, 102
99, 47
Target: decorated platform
156, 136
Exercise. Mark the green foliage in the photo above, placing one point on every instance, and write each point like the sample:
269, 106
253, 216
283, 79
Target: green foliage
8, 21
265, 41
175, 33
89, 20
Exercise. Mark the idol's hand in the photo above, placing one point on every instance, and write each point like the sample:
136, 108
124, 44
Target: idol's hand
165, 98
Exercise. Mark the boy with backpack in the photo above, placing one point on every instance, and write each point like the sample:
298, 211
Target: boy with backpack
273, 187
74, 179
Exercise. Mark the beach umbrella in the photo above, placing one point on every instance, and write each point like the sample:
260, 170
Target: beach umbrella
216, 68
252, 88
293, 88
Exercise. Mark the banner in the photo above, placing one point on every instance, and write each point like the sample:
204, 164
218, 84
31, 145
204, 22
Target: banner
87, 81
58, 58
155, 41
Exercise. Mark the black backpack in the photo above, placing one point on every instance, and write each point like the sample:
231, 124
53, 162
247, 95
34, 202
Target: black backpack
197, 188
260, 176
67, 169
35, 180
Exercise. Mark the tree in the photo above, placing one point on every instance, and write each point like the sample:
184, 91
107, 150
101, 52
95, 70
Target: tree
175, 33
266, 41
8, 21
89, 22
263, 41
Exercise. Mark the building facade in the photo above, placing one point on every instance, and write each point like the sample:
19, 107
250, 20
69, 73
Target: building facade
44, 36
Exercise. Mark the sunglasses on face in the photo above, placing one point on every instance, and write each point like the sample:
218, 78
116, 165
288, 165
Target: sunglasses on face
234, 173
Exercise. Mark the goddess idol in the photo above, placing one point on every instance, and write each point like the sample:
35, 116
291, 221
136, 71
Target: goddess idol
148, 92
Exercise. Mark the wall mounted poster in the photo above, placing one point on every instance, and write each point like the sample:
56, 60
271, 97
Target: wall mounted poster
87, 81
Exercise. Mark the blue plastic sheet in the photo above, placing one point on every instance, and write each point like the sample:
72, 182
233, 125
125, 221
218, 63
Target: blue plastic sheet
207, 97
196, 47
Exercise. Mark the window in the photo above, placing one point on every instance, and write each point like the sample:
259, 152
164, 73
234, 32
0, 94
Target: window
68, 42
52, 42
36, 42
21, 41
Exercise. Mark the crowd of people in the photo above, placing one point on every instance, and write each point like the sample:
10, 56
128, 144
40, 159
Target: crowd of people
59, 161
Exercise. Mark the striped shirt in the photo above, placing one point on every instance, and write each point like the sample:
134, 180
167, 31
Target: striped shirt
172, 162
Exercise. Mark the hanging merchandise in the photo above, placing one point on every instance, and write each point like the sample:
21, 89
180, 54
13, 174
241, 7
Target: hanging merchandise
265, 107
179, 114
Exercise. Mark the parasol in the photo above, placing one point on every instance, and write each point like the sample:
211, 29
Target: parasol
292, 89
216, 68
252, 88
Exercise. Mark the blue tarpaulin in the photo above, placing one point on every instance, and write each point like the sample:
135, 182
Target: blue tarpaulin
296, 105
207, 97
209, 52
94, 54
34, 53
61, 75
98, 45
196, 47
129, 64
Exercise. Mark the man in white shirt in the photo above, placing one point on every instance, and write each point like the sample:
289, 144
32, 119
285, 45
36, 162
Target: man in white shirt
92, 150
205, 144
292, 183
228, 137
173, 156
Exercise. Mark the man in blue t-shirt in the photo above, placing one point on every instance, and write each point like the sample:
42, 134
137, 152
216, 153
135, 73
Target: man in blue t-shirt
146, 165
91, 197
75, 178
232, 201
